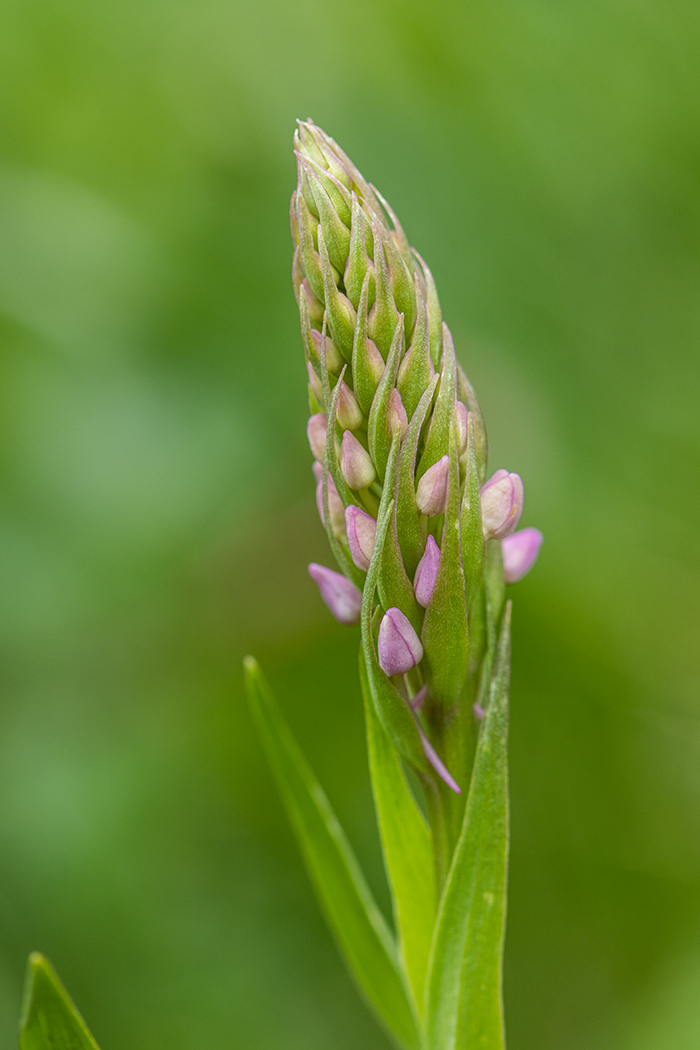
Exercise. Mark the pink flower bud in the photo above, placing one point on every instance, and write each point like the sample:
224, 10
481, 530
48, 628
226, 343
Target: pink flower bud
431, 494
397, 413
334, 361
426, 573
340, 594
462, 416
399, 647
335, 503
520, 553
361, 529
355, 463
376, 361
501, 504
349, 414
316, 430
314, 383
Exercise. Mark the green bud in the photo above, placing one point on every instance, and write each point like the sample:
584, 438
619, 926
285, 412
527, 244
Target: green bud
310, 259
434, 312
379, 431
358, 262
367, 362
337, 193
321, 148
410, 535
416, 369
335, 232
339, 310
383, 316
402, 284
443, 414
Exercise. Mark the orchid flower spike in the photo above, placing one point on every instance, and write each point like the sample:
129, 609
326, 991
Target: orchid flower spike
340, 594
520, 553
501, 505
399, 647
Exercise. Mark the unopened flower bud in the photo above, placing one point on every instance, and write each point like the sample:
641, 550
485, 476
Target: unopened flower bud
335, 503
355, 463
349, 414
462, 417
334, 361
340, 594
501, 504
376, 361
316, 430
426, 573
431, 494
361, 529
314, 383
520, 553
397, 413
399, 647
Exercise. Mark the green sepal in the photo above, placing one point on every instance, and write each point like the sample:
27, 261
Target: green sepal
434, 313
310, 258
482, 441
393, 584
472, 532
338, 194
407, 848
325, 151
50, 1019
494, 577
358, 926
445, 634
438, 439
339, 309
399, 237
392, 710
416, 369
378, 429
383, 317
335, 233
408, 530
364, 382
358, 263
402, 285
464, 1008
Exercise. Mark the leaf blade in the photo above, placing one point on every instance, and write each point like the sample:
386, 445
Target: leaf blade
407, 847
50, 1020
362, 935
464, 1009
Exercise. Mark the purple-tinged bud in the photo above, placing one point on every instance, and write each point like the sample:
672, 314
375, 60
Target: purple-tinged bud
397, 413
399, 647
431, 494
334, 361
376, 361
314, 383
316, 430
335, 503
426, 573
349, 414
520, 553
501, 505
340, 594
361, 529
462, 417
355, 463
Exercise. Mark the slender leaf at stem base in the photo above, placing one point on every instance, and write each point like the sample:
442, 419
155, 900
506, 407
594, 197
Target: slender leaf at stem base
50, 1020
464, 1007
361, 932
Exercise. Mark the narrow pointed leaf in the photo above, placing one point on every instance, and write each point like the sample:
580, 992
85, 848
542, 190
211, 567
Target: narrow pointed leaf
352, 914
50, 1020
482, 441
407, 846
464, 1009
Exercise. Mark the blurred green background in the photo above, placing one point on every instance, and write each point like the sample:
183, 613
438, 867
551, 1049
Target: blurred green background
158, 512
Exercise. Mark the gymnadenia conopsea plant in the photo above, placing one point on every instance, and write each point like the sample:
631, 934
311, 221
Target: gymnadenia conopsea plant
424, 542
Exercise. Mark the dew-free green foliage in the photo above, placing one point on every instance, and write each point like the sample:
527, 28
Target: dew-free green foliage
50, 1020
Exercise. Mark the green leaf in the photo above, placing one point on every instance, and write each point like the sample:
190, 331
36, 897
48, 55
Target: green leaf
464, 1008
49, 1019
347, 902
407, 846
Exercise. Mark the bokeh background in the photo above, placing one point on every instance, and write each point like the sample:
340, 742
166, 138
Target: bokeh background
158, 512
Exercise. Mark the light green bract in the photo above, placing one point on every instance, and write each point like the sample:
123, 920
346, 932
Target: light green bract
416, 530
